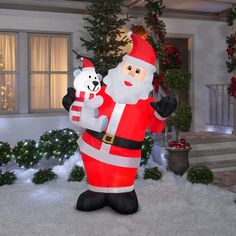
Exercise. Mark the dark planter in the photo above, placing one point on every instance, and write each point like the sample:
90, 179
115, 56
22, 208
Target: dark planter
178, 160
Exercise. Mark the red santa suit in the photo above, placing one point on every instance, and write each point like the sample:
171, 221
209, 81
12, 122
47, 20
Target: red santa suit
112, 168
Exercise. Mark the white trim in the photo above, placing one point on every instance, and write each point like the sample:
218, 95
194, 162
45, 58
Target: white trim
115, 118
111, 189
159, 117
141, 63
111, 159
113, 124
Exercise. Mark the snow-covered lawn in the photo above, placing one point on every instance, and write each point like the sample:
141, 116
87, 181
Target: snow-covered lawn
170, 207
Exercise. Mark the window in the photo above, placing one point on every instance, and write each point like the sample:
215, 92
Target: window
8, 72
48, 70
42, 78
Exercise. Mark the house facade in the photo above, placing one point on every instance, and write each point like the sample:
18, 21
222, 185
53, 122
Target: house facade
37, 64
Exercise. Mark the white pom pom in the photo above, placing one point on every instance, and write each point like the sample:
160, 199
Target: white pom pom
81, 58
129, 33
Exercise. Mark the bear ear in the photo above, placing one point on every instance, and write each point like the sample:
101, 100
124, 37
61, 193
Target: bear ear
76, 72
99, 77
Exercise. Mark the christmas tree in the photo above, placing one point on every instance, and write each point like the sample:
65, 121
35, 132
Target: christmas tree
106, 37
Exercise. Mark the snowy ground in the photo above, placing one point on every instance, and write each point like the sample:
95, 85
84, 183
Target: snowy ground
170, 207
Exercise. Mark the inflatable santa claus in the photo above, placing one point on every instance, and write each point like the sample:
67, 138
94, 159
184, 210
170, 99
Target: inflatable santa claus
111, 157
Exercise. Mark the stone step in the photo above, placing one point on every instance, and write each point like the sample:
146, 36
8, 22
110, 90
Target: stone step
212, 158
207, 137
219, 165
210, 149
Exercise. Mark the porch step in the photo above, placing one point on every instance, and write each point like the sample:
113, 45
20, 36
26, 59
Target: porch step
219, 156
218, 165
210, 149
207, 137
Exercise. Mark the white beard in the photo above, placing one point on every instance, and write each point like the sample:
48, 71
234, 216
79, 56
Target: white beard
123, 94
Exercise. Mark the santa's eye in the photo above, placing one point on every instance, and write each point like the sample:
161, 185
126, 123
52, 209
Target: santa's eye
129, 67
137, 71
90, 76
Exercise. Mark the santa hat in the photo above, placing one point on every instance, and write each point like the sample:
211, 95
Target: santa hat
142, 53
87, 64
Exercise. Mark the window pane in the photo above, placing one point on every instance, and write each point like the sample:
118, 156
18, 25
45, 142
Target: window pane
7, 92
7, 52
39, 53
58, 89
39, 92
59, 53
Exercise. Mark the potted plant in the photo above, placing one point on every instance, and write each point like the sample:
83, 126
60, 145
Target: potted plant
178, 149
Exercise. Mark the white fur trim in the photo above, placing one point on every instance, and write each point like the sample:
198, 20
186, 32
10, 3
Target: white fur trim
129, 34
108, 158
88, 68
111, 189
140, 63
159, 117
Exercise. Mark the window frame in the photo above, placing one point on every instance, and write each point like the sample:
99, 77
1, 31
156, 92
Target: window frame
16, 73
23, 75
49, 72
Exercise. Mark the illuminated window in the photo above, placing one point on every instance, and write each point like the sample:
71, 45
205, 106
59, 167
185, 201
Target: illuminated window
8, 72
48, 71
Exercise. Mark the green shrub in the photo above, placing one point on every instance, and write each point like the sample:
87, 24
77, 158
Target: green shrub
182, 117
25, 153
58, 143
43, 176
178, 79
77, 174
146, 149
5, 153
200, 175
152, 173
7, 178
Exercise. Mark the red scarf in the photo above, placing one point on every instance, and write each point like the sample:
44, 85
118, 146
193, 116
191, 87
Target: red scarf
76, 106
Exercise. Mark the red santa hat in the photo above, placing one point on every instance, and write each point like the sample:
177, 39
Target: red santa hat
142, 53
87, 64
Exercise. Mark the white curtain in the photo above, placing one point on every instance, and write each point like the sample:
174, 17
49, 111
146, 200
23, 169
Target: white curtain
7, 72
48, 55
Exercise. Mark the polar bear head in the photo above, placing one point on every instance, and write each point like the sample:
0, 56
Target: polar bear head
86, 80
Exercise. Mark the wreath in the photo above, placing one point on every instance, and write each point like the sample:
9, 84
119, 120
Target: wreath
231, 49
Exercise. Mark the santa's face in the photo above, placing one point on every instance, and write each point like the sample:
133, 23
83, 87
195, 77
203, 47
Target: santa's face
128, 82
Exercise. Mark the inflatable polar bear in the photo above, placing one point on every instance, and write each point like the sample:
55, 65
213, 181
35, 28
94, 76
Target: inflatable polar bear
87, 85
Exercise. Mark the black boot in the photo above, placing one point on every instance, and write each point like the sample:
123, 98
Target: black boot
124, 203
90, 201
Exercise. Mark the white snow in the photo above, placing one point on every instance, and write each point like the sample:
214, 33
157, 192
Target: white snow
62, 171
170, 207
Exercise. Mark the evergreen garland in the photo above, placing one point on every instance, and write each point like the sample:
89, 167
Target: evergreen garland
77, 174
25, 153
231, 50
231, 16
5, 153
200, 175
146, 149
104, 27
157, 28
7, 178
152, 173
58, 143
43, 176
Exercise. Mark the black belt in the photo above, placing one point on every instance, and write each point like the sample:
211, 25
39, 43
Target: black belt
117, 141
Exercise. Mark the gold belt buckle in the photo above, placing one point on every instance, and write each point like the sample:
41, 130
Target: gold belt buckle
108, 138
